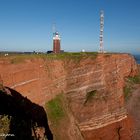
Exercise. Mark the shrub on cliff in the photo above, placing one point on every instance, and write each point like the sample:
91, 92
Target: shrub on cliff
4, 126
130, 84
135, 79
89, 96
127, 92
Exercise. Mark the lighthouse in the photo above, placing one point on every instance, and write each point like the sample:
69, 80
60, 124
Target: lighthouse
56, 42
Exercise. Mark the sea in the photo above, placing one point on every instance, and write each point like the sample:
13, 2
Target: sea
137, 57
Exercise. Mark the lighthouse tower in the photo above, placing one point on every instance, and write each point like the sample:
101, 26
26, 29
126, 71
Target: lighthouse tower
56, 42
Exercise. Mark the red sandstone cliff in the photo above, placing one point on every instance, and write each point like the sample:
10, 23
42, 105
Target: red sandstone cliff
104, 116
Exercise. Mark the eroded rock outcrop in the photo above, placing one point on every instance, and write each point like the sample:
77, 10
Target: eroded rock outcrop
93, 87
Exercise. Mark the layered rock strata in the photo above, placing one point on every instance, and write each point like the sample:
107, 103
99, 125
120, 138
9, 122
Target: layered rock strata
42, 79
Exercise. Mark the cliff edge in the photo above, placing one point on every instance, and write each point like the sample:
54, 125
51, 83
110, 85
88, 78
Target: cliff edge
92, 85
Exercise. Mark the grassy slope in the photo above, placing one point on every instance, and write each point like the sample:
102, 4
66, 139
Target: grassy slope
130, 86
57, 112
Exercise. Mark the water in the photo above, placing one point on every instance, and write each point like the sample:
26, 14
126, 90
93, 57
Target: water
137, 57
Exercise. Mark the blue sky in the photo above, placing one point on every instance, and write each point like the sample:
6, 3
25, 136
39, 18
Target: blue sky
26, 25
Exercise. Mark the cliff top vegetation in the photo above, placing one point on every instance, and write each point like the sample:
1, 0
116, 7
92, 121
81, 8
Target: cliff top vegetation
17, 58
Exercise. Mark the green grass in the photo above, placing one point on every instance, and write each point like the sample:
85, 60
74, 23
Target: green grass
72, 55
127, 92
130, 86
55, 109
90, 95
135, 79
59, 116
15, 59
77, 56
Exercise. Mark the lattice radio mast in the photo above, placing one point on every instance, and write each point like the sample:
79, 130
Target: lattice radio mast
101, 49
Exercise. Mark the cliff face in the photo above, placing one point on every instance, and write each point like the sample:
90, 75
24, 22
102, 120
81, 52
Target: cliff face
93, 87
105, 114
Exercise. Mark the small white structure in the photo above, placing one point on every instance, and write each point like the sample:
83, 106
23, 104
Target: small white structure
83, 50
6, 54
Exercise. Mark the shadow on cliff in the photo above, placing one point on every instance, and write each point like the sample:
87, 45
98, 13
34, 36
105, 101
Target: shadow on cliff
28, 121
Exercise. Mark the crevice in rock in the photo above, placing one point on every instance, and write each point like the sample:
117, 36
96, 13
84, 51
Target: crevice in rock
118, 132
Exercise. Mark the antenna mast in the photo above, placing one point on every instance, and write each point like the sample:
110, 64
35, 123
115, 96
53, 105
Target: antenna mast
101, 49
53, 28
